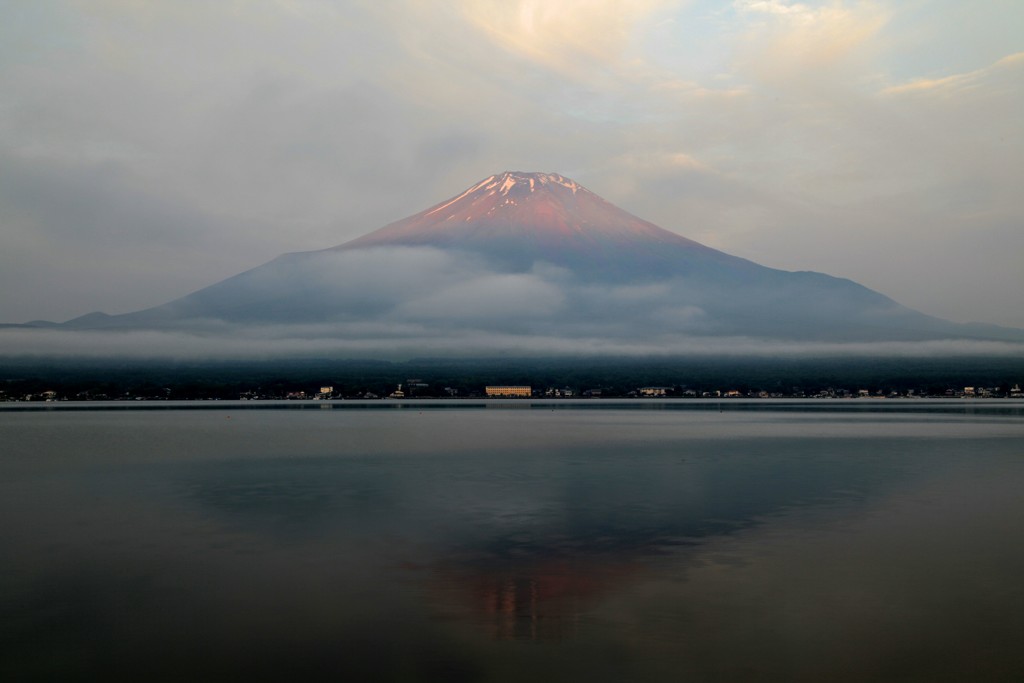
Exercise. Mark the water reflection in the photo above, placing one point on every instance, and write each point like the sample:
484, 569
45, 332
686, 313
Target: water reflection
535, 602
527, 545
511, 545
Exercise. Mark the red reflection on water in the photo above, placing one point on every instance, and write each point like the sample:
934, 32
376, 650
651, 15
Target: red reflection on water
546, 601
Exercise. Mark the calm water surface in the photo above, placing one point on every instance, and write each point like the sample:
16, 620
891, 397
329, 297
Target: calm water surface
505, 541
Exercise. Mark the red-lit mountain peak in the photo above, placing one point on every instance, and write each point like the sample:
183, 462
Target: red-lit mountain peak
543, 209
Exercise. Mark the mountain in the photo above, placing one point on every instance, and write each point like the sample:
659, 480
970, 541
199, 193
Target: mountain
536, 255
518, 219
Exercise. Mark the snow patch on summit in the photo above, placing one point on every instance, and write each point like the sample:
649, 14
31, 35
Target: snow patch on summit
511, 179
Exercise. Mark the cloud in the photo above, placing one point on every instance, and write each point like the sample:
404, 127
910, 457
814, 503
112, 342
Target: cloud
401, 302
660, 160
792, 42
571, 37
404, 341
948, 86
491, 297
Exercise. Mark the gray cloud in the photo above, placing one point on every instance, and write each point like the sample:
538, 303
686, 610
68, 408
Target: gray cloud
407, 340
402, 302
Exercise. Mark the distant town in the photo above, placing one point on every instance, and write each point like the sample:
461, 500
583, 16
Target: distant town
420, 390
681, 378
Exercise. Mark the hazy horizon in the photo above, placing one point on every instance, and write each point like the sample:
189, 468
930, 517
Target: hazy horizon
147, 151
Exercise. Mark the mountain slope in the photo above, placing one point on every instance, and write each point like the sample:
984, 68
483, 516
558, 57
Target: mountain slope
519, 218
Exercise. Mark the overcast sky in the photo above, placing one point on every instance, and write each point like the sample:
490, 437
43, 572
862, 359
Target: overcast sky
148, 149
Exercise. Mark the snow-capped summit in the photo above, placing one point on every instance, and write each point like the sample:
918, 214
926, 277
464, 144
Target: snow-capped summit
528, 182
545, 213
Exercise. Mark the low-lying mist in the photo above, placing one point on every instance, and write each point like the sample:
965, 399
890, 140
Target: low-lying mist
219, 341
395, 303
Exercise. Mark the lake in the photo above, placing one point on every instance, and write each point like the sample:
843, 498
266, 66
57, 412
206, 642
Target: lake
855, 540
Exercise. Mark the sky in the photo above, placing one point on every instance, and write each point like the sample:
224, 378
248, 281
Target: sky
149, 149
